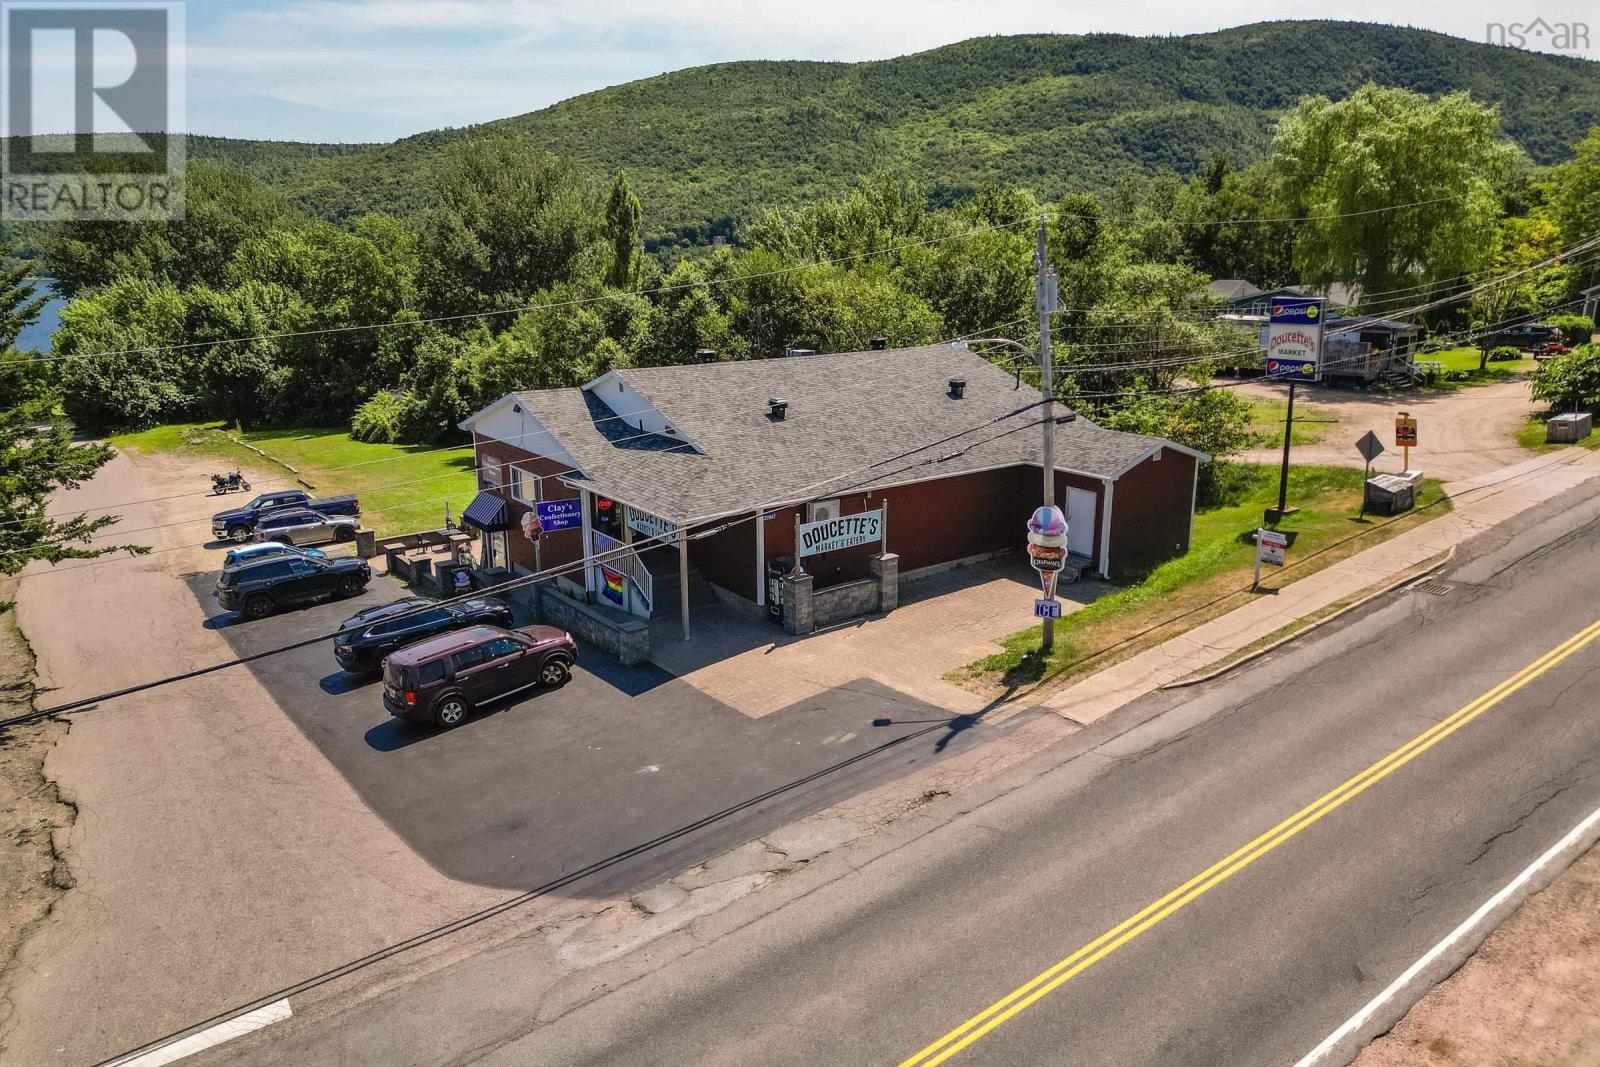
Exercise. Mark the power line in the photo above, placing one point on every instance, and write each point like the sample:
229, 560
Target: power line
521, 309
581, 563
517, 900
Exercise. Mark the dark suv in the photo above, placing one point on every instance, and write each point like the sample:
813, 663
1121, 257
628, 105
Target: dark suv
259, 589
368, 636
442, 679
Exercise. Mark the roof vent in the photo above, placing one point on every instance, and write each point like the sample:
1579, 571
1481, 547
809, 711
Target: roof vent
705, 355
958, 388
879, 343
800, 351
777, 408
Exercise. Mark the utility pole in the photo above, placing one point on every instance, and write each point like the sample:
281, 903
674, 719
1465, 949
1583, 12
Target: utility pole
1045, 297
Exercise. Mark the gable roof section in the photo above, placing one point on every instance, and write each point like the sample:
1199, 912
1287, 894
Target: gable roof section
851, 416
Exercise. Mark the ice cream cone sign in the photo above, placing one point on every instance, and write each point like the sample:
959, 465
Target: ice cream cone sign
531, 528
1047, 539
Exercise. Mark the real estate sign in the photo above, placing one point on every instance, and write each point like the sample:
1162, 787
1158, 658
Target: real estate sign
846, 531
1294, 339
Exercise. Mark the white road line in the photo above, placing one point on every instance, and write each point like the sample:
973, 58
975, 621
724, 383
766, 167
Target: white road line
210, 1037
1574, 840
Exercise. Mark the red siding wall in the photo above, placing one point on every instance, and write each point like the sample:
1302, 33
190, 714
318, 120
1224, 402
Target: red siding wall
564, 546
1150, 513
929, 522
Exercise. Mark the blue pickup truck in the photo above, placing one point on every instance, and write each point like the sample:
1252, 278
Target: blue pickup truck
239, 524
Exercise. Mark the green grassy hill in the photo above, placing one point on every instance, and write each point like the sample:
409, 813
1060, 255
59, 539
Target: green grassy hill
710, 145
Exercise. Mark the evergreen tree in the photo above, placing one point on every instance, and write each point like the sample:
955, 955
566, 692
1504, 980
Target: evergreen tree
623, 215
37, 457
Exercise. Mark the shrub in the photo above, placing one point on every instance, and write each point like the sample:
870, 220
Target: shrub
380, 419
1575, 329
1504, 354
1571, 381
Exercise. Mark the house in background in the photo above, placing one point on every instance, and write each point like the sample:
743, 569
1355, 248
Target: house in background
699, 476
1240, 297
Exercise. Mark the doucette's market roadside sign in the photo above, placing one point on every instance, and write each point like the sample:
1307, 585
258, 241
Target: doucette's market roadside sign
847, 531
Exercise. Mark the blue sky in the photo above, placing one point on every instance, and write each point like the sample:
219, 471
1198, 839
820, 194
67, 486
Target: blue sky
365, 70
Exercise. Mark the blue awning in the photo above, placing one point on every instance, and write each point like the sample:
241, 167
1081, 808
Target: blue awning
489, 512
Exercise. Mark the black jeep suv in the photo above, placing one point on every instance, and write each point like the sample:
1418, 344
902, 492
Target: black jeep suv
368, 636
259, 589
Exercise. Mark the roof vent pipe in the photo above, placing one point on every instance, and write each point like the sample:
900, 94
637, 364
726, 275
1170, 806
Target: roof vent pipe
958, 388
879, 343
777, 408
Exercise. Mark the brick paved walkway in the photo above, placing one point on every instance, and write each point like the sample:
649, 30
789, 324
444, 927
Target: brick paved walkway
944, 621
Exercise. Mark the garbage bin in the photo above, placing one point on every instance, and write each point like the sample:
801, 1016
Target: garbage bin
1564, 429
777, 567
1389, 494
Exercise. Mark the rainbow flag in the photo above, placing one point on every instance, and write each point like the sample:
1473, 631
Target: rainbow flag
613, 588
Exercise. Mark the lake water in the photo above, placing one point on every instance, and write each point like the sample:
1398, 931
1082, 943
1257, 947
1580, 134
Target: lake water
36, 338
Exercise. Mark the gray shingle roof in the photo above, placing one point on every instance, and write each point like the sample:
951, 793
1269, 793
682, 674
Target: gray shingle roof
851, 415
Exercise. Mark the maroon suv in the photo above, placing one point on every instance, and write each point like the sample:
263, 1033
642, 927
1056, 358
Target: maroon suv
442, 679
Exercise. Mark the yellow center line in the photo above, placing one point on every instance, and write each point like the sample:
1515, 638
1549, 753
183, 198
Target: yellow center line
1084, 958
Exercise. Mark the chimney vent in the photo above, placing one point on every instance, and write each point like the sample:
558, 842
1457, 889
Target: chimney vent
879, 343
705, 355
777, 408
958, 388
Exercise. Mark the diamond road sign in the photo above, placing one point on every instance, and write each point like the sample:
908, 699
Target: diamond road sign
1369, 446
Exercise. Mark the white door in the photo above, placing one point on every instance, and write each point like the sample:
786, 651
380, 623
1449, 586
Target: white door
1080, 522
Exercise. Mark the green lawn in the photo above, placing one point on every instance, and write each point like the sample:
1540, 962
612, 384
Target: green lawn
402, 487
1460, 366
1311, 423
1212, 578
1531, 436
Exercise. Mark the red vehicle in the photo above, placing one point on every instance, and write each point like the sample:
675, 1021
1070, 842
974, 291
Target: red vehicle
1553, 348
441, 679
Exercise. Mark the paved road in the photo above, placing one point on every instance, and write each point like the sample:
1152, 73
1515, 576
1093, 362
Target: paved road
618, 760
874, 966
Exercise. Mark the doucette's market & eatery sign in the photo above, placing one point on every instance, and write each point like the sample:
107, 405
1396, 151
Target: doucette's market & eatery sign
847, 531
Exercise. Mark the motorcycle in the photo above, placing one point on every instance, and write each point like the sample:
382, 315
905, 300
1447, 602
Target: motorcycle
227, 483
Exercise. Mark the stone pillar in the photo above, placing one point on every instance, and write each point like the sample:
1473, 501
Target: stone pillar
366, 542
799, 616
886, 568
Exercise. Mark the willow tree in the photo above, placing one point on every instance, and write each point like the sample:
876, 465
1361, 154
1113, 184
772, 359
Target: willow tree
1398, 189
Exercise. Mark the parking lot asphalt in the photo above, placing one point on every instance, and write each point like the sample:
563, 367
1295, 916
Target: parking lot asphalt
628, 771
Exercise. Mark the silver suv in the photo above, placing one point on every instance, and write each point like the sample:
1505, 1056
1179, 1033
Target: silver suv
302, 526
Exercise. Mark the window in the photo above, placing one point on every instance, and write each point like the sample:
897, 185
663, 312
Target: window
469, 658
427, 618
302, 566
491, 472
502, 646
430, 672
277, 569
524, 485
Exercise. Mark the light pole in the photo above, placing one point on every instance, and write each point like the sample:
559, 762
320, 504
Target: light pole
1046, 297
1044, 288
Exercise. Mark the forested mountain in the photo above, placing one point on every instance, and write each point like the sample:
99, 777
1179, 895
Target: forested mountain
709, 147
